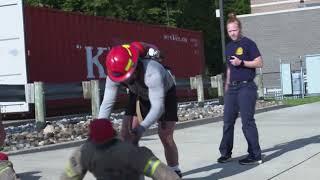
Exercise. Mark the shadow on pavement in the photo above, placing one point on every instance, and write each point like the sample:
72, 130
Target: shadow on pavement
224, 170
29, 175
232, 168
281, 149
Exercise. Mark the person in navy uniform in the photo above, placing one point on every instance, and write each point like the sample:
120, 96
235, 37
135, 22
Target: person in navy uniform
243, 57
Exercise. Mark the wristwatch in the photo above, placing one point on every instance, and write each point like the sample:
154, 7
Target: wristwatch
242, 63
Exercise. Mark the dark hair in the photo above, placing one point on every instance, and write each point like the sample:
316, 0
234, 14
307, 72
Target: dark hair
232, 18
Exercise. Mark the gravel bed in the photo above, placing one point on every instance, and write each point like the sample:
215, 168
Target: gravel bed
72, 129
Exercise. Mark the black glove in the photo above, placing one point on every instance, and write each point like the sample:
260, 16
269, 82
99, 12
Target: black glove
138, 131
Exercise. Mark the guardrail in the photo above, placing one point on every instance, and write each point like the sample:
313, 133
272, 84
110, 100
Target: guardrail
39, 92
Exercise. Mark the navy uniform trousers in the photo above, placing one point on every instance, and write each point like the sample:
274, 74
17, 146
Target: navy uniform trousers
240, 97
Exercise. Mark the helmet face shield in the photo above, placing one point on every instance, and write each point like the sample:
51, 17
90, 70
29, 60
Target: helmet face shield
121, 62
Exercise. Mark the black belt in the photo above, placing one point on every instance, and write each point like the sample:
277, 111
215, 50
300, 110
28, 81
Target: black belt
239, 82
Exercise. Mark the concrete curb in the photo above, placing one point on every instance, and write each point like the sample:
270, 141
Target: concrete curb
180, 125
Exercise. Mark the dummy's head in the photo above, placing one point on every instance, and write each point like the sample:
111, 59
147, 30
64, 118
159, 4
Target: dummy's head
101, 131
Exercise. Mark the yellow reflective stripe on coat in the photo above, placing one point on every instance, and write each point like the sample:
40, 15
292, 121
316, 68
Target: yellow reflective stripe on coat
2, 169
151, 166
154, 167
70, 173
5, 165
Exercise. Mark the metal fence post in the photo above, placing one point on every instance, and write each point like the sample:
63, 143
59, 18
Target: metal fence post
95, 98
193, 83
220, 88
39, 100
214, 82
259, 82
199, 85
30, 93
86, 89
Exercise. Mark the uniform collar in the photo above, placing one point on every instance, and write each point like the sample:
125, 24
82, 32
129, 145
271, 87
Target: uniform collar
238, 40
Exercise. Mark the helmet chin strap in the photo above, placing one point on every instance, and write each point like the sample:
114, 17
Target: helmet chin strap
130, 81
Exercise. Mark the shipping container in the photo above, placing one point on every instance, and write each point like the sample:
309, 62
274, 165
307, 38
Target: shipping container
65, 47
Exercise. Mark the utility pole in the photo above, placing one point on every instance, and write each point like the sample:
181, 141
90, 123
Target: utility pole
223, 43
168, 21
301, 76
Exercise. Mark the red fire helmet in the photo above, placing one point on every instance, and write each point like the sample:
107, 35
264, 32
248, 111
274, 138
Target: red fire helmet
121, 62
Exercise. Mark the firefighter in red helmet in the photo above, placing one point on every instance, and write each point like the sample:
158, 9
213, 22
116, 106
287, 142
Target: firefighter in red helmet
136, 67
107, 157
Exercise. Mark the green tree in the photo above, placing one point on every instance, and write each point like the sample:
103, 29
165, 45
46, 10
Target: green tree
237, 6
46, 3
154, 12
200, 16
111, 8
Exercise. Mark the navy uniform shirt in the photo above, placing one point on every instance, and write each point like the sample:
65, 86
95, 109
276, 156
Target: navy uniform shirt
247, 50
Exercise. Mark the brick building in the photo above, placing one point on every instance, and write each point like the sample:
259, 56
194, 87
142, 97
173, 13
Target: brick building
283, 30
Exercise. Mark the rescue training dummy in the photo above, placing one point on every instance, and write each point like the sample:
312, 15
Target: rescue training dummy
107, 157
6, 168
